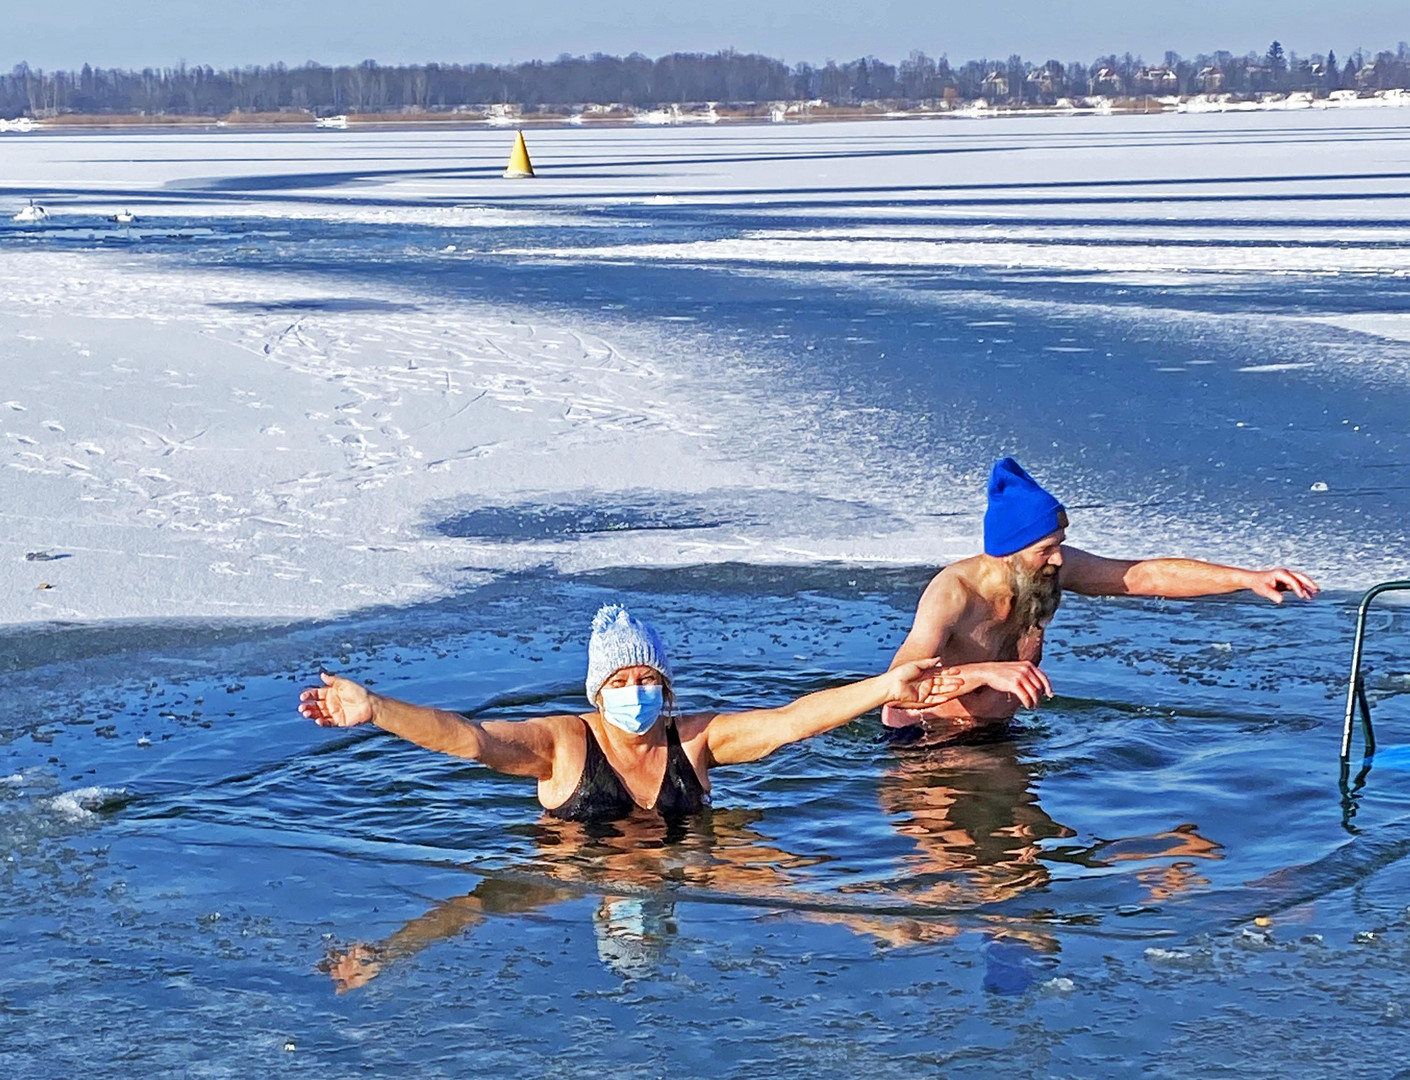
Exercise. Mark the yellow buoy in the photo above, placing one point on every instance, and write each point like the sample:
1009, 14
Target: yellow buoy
519, 166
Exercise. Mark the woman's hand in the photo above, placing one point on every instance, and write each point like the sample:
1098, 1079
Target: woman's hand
922, 684
338, 703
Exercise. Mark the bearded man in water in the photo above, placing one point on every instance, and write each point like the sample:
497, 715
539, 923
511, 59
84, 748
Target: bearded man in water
985, 616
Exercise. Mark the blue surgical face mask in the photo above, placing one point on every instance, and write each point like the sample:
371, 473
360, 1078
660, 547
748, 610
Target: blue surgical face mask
632, 708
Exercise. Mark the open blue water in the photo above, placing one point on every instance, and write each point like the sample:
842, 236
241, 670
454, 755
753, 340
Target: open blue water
1156, 873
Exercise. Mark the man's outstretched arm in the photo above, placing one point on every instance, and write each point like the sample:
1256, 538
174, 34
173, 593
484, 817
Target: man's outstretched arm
1092, 575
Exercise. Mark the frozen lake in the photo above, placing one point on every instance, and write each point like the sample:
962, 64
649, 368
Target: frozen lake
347, 399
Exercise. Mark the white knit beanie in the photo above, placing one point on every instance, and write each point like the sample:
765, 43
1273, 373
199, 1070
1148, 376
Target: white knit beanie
620, 640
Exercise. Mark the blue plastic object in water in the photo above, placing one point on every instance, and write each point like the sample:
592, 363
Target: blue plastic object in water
1006, 968
1392, 757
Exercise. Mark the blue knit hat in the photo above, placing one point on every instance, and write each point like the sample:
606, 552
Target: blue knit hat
620, 640
1020, 511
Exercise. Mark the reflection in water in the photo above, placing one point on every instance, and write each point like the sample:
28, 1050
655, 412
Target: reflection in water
975, 821
1181, 843
632, 933
635, 864
976, 830
981, 838
970, 810
359, 964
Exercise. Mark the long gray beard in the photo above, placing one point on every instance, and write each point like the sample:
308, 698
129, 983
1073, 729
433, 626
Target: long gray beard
1035, 598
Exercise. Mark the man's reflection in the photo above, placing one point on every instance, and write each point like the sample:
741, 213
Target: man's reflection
981, 840
971, 812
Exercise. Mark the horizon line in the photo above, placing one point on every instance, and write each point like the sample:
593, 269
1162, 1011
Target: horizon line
182, 62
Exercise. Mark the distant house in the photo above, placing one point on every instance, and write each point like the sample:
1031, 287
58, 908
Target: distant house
1040, 80
1366, 77
1157, 80
1107, 81
1210, 80
995, 85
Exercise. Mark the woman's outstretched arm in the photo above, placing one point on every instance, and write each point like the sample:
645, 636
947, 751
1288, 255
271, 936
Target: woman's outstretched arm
732, 738
523, 748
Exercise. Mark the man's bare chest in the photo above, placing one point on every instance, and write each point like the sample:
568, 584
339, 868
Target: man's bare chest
993, 639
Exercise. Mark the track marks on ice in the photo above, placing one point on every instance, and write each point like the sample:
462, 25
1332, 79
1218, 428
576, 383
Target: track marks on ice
250, 459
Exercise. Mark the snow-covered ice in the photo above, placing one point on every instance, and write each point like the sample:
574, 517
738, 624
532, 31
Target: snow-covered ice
269, 395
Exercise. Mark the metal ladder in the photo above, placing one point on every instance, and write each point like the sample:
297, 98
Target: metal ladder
1356, 686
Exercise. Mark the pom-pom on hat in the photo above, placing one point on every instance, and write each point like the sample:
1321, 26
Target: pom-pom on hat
619, 640
1020, 511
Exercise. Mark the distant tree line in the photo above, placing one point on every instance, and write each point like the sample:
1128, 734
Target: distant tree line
680, 78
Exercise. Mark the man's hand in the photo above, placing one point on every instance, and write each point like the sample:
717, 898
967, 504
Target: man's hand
338, 703
922, 685
1022, 679
1271, 584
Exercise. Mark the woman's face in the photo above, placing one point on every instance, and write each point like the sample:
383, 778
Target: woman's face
639, 675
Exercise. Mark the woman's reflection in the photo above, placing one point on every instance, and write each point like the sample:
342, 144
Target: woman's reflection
629, 863
979, 841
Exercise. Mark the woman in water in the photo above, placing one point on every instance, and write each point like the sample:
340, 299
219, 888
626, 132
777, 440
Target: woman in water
602, 765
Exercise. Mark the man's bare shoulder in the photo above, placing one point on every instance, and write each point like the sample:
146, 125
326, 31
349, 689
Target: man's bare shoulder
962, 573
955, 585
946, 604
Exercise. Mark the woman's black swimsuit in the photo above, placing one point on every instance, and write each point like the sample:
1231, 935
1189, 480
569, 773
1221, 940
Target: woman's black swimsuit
601, 795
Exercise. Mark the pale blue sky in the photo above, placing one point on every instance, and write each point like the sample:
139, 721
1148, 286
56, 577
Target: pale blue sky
66, 33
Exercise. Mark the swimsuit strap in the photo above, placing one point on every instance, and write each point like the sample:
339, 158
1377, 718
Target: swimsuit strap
600, 794
681, 792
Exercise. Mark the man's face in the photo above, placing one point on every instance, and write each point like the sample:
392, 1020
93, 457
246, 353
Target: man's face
1043, 558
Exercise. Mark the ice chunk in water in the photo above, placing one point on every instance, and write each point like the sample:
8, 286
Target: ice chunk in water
82, 804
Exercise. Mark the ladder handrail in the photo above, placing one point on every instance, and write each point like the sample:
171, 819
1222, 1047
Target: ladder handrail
1355, 687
